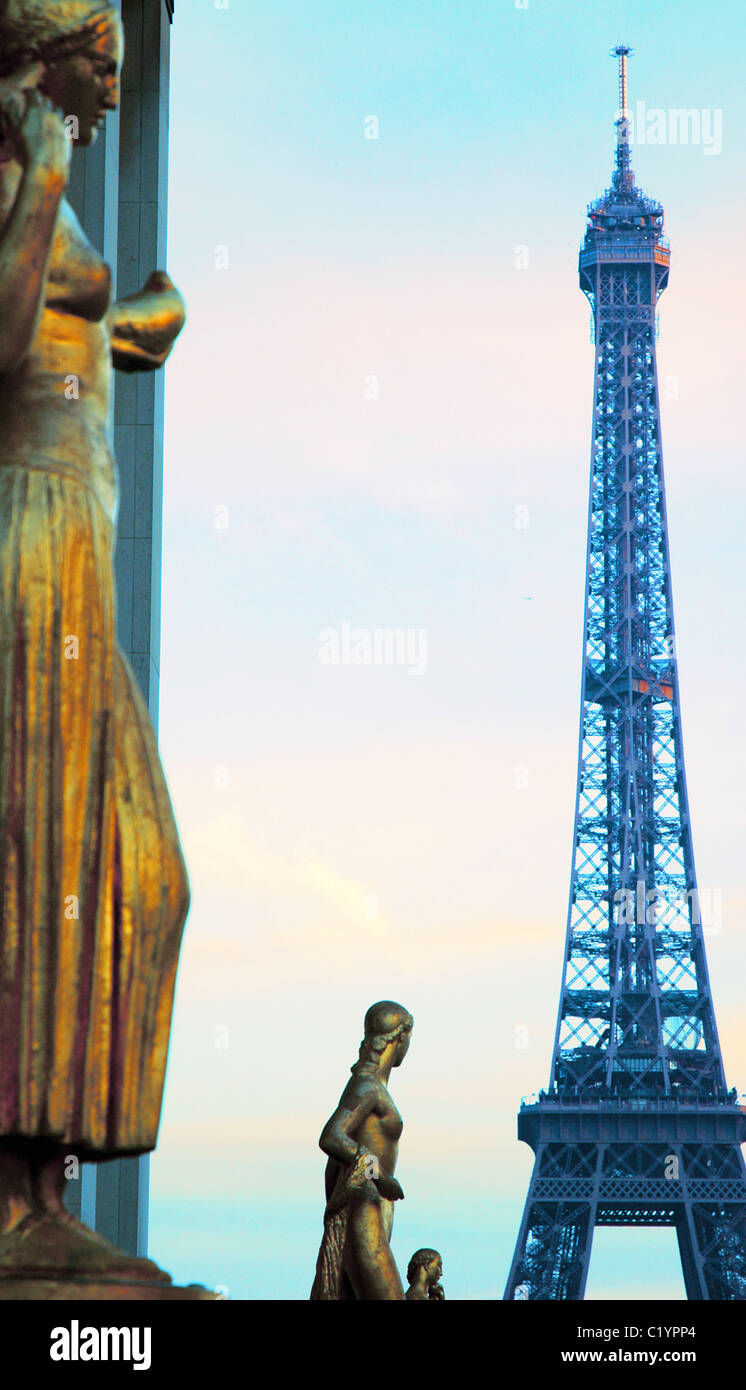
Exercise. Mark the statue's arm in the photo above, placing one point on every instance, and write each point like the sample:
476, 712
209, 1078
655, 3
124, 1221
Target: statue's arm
36, 134
337, 1139
144, 326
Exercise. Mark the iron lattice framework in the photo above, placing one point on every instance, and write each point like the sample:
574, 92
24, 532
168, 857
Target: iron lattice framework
637, 1126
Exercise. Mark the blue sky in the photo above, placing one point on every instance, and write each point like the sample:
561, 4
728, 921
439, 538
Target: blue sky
367, 389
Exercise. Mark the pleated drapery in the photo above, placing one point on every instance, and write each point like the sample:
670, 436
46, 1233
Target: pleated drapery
94, 888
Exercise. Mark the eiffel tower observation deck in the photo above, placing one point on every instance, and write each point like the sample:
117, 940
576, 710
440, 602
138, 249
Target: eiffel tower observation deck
637, 1126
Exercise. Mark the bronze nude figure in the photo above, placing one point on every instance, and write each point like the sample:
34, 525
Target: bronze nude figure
93, 882
361, 1140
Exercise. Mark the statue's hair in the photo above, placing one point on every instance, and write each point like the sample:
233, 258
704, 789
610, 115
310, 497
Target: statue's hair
419, 1259
33, 31
377, 1036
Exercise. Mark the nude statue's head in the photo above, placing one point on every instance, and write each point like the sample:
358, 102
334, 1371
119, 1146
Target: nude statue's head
428, 1260
78, 45
386, 1023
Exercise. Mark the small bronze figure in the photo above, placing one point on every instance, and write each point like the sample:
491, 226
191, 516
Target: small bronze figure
424, 1273
362, 1141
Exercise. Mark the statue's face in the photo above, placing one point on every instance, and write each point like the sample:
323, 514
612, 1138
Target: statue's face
435, 1271
86, 85
402, 1047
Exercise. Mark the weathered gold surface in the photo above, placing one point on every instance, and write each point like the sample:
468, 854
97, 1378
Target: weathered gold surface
424, 1273
94, 885
362, 1142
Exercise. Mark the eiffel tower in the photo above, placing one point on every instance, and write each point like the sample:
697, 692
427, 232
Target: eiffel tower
636, 1126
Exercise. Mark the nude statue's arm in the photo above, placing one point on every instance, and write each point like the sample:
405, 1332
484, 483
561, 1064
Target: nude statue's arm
336, 1137
36, 134
146, 325
336, 1140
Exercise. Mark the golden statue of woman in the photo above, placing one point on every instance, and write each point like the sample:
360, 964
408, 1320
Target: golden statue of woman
362, 1142
94, 888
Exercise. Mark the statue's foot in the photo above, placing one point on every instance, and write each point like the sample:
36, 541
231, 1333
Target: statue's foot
42, 1245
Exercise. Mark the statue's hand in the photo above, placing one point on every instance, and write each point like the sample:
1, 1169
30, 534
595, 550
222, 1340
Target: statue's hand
388, 1188
146, 324
35, 130
366, 1169
152, 318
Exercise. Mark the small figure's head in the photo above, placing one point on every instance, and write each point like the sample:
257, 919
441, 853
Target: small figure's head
79, 45
386, 1023
430, 1262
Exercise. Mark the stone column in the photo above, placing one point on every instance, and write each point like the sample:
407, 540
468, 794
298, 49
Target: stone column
119, 190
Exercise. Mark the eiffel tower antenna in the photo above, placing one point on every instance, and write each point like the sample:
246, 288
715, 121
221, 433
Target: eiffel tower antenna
623, 176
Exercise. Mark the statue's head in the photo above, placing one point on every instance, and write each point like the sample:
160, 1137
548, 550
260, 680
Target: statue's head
386, 1023
428, 1260
78, 47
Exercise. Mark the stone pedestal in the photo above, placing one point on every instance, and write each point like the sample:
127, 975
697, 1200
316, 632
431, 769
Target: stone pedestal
58, 1259
60, 1290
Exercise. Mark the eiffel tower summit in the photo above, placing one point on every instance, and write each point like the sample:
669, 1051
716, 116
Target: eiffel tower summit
637, 1126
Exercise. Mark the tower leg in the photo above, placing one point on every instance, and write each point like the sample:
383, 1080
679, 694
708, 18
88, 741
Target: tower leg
691, 1258
553, 1250
552, 1258
712, 1242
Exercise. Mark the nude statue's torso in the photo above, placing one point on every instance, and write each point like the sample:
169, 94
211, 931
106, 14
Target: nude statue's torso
64, 384
381, 1130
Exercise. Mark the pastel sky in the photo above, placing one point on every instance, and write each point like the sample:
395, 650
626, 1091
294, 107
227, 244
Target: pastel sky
387, 354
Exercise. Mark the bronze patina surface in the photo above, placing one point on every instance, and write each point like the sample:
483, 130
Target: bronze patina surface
93, 882
362, 1140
